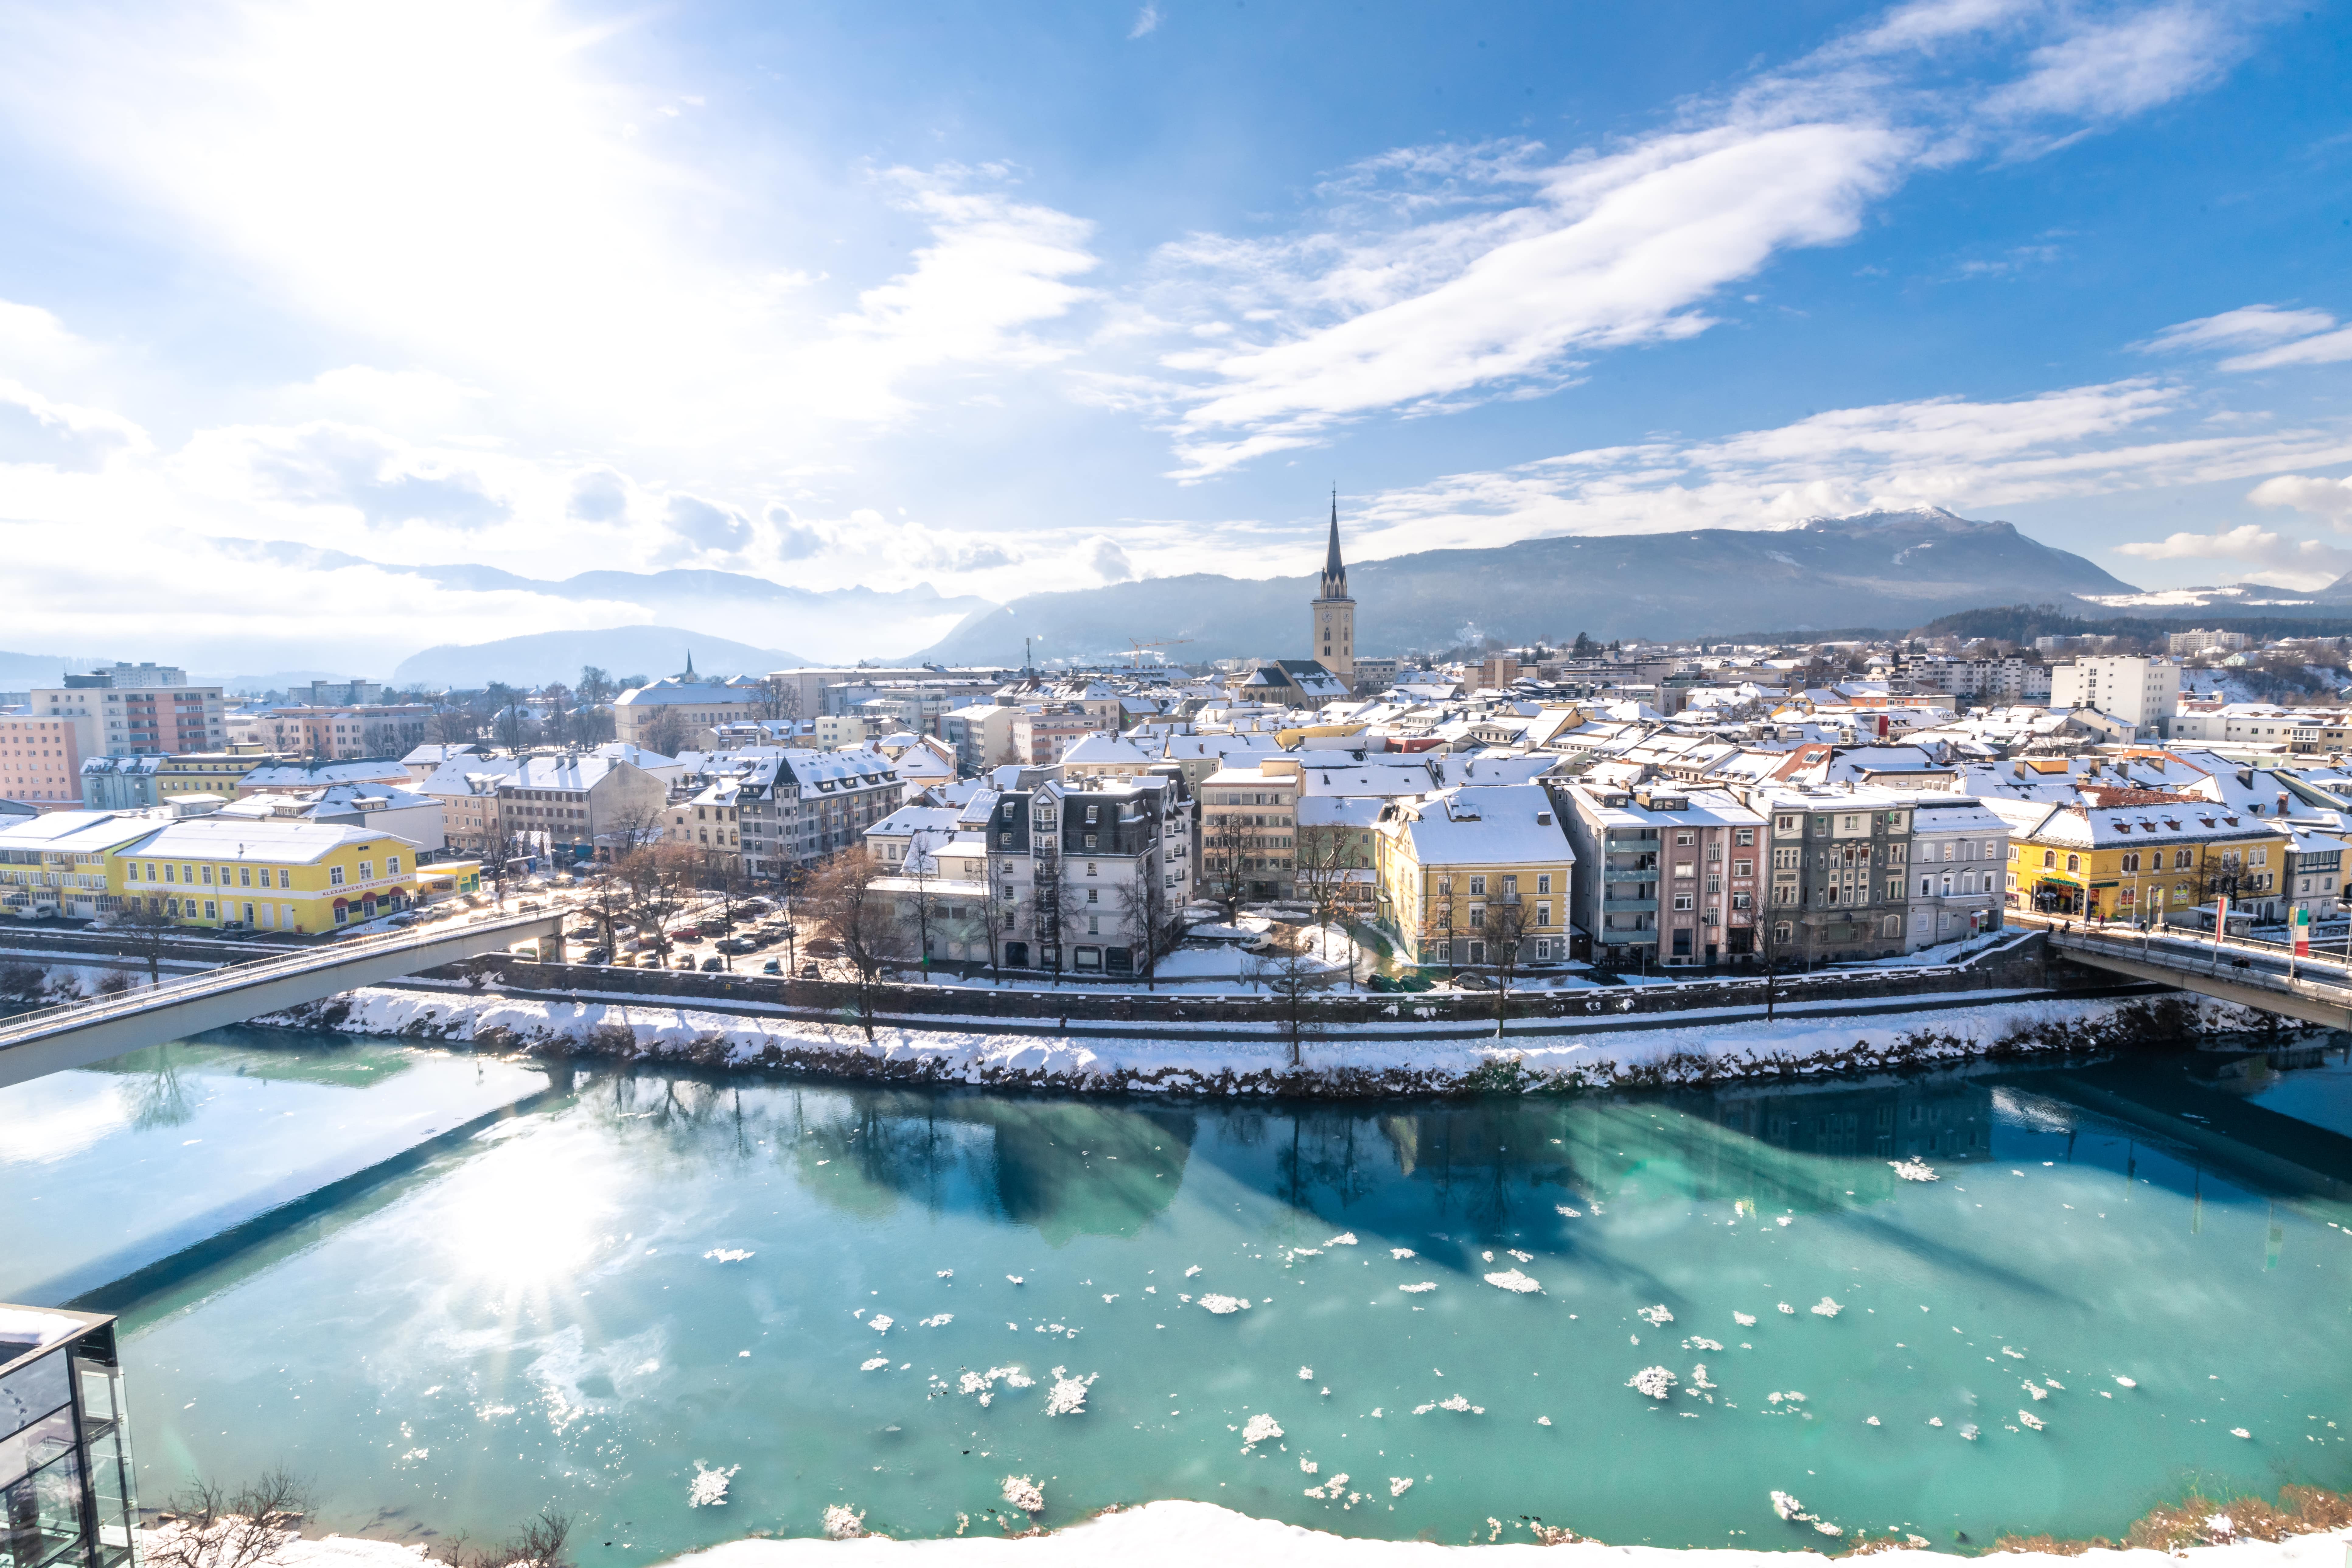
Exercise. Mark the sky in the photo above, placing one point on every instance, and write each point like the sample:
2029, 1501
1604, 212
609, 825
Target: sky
1012, 297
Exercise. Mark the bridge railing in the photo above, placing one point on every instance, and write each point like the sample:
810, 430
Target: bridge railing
236, 977
2152, 939
2193, 961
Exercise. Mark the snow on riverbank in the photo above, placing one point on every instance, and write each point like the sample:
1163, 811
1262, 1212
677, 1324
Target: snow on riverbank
1362, 1061
1185, 1534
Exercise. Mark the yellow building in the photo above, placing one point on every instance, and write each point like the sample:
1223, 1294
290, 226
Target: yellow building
55, 864
267, 874
2148, 861
1475, 877
209, 773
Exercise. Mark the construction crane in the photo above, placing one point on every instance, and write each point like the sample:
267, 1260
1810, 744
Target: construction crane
1140, 646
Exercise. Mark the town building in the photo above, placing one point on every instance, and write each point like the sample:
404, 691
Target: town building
1475, 877
121, 783
267, 874
64, 1442
1959, 856
1667, 876
342, 733
1840, 863
1249, 832
116, 715
273, 773
377, 808
676, 711
40, 760
222, 772
2149, 861
2144, 693
2197, 642
1042, 732
54, 864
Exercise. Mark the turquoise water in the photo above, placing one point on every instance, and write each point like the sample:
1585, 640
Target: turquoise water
645, 1274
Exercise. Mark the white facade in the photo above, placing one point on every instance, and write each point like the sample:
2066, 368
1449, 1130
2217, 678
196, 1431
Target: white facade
2142, 692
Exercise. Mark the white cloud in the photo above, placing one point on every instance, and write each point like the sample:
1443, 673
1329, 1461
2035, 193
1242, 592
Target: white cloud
2327, 348
1109, 560
2284, 562
2105, 69
1147, 21
2246, 325
2330, 499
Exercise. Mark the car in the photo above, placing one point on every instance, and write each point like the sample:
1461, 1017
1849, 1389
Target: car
582, 933
402, 920
810, 972
684, 961
686, 933
773, 967
597, 955
713, 963
527, 905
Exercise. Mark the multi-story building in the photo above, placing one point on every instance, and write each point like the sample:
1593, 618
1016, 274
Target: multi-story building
121, 783
2143, 692
1958, 855
1042, 732
1475, 877
2196, 642
54, 864
378, 808
1249, 831
2147, 861
793, 807
673, 713
981, 734
40, 760
1840, 860
279, 773
2314, 878
1666, 875
267, 874
568, 808
117, 715
344, 734
222, 773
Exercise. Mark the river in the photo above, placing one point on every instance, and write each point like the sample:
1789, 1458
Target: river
454, 1288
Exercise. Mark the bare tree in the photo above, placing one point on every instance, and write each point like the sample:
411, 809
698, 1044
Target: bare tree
660, 878
1506, 932
1224, 870
722, 877
921, 869
856, 915
213, 1527
608, 904
145, 933
664, 731
1776, 940
1292, 977
776, 696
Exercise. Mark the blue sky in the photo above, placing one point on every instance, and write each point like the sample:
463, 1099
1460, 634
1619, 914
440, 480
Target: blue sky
1013, 297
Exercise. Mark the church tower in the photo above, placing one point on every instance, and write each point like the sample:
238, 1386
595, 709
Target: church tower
1334, 614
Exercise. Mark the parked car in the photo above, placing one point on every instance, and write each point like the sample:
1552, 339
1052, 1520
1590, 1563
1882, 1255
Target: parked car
684, 960
736, 944
401, 921
808, 972
713, 961
773, 967
686, 933
597, 955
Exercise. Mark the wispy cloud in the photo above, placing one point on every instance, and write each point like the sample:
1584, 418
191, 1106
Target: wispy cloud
1146, 21
2277, 559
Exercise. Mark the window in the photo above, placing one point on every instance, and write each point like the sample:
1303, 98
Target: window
212, 910
245, 875
284, 877
1744, 837
367, 869
1742, 900
2181, 859
1923, 887
1784, 824
2050, 859
1685, 838
2131, 861
1787, 859
1543, 950
1543, 914
1743, 867
334, 876
1477, 887
208, 875
1683, 901
1543, 881
1478, 916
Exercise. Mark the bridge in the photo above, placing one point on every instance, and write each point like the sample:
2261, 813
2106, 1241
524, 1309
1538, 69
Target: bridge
2312, 989
54, 1040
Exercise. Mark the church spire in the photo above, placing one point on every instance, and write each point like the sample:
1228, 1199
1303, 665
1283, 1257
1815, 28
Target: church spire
1335, 571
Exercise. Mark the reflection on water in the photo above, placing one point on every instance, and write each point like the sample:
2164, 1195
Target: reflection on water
655, 1269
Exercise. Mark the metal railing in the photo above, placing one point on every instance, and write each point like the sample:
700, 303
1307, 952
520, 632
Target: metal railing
236, 977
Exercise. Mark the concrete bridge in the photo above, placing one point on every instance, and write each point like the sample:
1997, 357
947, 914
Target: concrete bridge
2315, 989
54, 1040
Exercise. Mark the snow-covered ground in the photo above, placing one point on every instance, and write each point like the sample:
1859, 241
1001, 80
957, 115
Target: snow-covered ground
1397, 1056
1186, 1534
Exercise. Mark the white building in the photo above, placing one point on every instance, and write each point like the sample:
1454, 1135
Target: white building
2143, 692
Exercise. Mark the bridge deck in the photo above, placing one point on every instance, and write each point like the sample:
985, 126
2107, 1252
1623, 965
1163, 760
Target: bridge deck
54, 1040
2312, 989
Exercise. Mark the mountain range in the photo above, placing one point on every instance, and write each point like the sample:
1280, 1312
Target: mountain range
1881, 568
620, 651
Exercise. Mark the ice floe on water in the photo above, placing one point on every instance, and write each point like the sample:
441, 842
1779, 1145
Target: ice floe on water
1914, 1171
1512, 1280
1399, 1484
1522, 1257
874, 1364
939, 1320
1260, 1429
708, 1487
947, 1274
2240, 1432
1221, 1305
983, 1383
1569, 1213
2123, 1382
1069, 1395
1795, 1512
727, 1254
1826, 1307
842, 1522
1788, 1308
1656, 1317
1416, 1290
1701, 1342
1401, 1253
1745, 1319
1015, 1278
880, 1322
2032, 1420
1024, 1494
1655, 1381
2036, 1390
1306, 1374
1190, 1272
1345, 1238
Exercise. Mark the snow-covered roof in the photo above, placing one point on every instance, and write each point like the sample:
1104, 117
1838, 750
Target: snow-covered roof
1507, 824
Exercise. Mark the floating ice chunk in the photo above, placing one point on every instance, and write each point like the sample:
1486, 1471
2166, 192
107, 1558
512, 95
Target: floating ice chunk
1788, 1507
1656, 1317
1015, 1278
1260, 1429
842, 1522
2240, 1432
880, 1322
1109, 1298
1825, 1308
1543, 1420
1069, 1395
2038, 1393
1024, 1494
1417, 1289
1307, 1465
2032, 1420
1745, 1319
1968, 1430
947, 1274
1701, 1342
2053, 1383
1221, 1305
1425, 1409
1788, 1308
1914, 1171
2123, 1382
1513, 1280
1523, 1257
1345, 1238
876, 1365
1401, 1253
1306, 1374
1399, 1484
939, 1320
709, 1487
727, 1254
1486, 1258
1935, 1421
1306, 1252
1655, 1381
1699, 1378
2013, 1355
1870, 1420
1826, 1528
1013, 1376
1190, 1272
1569, 1213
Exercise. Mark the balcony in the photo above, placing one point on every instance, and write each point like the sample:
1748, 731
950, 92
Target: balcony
1622, 862
1629, 906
